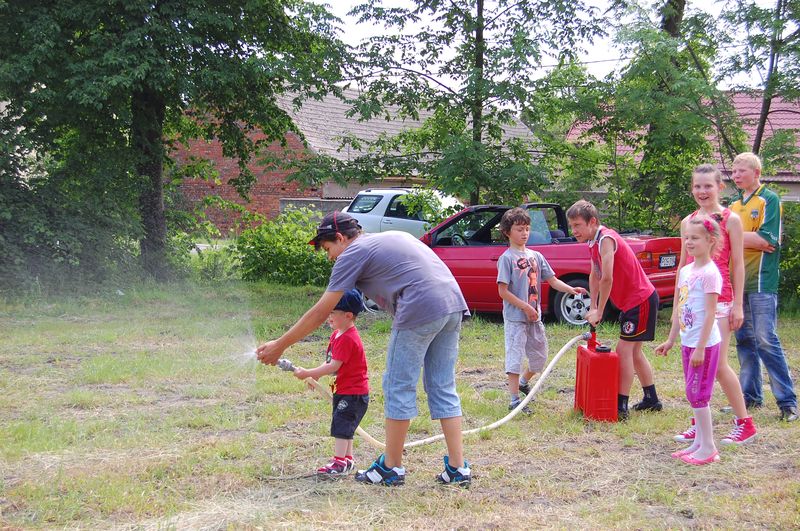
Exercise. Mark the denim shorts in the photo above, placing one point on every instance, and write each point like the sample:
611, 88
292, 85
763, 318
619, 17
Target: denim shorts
432, 348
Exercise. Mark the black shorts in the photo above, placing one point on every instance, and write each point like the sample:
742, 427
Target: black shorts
639, 323
348, 410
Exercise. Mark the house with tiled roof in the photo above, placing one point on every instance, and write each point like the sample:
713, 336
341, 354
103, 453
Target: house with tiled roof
783, 115
323, 124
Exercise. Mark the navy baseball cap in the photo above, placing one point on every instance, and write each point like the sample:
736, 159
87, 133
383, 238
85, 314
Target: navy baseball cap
332, 223
351, 301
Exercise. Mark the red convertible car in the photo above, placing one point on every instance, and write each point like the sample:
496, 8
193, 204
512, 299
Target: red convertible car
470, 243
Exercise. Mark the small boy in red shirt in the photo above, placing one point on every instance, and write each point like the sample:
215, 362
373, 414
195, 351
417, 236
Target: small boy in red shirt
345, 359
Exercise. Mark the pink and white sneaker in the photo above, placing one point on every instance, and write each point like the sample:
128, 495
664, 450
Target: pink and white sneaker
688, 435
743, 431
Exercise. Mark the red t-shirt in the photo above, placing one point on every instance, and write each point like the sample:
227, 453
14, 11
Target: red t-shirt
351, 378
631, 287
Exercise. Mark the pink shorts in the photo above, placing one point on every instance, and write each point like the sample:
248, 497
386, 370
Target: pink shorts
723, 309
700, 380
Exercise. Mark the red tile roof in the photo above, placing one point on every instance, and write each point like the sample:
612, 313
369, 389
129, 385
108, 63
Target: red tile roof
782, 115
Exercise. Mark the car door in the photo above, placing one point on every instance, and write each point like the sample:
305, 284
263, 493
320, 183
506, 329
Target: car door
397, 217
470, 245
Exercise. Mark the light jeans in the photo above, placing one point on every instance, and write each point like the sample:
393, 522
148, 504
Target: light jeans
434, 348
757, 342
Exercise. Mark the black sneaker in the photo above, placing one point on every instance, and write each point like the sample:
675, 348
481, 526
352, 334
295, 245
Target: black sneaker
455, 476
525, 388
513, 405
648, 405
751, 404
789, 413
378, 474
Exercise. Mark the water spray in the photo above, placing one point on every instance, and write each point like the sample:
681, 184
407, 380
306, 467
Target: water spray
288, 366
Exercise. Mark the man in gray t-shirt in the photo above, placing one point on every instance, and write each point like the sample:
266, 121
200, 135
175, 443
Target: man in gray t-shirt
407, 279
401, 274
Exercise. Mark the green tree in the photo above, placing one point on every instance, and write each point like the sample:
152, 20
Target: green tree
465, 69
103, 90
768, 42
655, 118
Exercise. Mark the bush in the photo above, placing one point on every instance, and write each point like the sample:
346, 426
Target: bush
278, 250
217, 262
789, 288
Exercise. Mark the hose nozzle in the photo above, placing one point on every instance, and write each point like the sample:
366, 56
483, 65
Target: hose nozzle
286, 365
592, 339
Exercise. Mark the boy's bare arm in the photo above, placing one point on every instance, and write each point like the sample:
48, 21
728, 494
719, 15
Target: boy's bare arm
269, 352
752, 240
326, 368
607, 248
562, 286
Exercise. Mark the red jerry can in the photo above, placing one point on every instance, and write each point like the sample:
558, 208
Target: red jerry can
597, 381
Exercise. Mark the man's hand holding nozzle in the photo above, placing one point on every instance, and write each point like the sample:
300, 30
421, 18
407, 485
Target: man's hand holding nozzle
269, 352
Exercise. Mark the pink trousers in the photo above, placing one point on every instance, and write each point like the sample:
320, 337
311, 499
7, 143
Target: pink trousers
700, 380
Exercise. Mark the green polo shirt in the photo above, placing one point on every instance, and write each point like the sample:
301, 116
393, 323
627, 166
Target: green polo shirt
761, 212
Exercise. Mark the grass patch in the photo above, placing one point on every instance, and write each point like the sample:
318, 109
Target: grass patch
147, 410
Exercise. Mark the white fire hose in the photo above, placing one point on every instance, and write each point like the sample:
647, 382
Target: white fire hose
287, 365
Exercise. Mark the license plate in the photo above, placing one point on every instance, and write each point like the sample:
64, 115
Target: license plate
667, 261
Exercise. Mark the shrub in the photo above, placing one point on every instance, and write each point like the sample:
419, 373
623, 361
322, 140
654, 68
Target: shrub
217, 262
789, 288
278, 250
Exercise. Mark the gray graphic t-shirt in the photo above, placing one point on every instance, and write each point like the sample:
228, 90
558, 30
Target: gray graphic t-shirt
400, 273
523, 271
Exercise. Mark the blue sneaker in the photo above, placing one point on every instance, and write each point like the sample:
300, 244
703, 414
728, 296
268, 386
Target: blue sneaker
455, 476
378, 474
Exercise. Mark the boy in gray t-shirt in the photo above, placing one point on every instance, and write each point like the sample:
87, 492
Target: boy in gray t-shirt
520, 272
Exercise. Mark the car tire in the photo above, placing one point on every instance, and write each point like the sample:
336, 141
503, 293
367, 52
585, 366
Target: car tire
569, 308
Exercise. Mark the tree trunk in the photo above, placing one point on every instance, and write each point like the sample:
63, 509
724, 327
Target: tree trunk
147, 110
769, 86
478, 96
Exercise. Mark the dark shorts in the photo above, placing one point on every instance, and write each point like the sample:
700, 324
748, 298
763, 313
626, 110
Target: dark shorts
639, 323
348, 410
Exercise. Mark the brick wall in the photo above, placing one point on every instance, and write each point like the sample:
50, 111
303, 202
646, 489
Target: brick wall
265, 195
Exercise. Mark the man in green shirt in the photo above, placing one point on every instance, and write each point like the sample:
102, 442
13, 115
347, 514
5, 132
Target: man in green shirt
757, 340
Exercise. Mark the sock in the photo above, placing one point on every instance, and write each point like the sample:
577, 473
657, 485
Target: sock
650, 393
622, 403
514, 397
522, 380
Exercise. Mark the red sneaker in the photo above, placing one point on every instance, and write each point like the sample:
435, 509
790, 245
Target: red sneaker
336, 468
688, 435
743, 431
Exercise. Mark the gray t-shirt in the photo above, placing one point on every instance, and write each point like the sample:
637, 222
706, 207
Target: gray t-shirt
523, 271
401, 274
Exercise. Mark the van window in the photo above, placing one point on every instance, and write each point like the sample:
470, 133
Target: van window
364, 203
398, 209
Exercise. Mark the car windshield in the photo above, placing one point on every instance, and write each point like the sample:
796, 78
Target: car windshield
364, 203
482, 227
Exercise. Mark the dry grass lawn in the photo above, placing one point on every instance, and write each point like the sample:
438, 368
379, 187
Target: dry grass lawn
145, 411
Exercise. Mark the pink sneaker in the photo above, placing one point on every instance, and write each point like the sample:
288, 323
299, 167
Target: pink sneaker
688, 435
743, 432
336, 468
